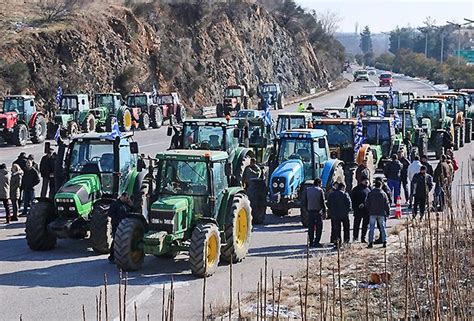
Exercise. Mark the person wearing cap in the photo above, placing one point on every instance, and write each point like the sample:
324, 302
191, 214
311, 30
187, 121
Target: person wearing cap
118, 210
46, 170
5, 190
339, 205
21, 161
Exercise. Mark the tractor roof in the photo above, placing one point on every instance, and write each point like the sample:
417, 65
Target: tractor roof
107, 94
336, 121
99, 136
304, 133
467, 90
399, 110
139, 93
443, 96
193, 155
367, 102
212, 121
376, 119
25, 97
427, 99
295, 113
455, 93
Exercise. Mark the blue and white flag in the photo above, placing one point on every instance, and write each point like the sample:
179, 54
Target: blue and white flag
267, 117
381, 110
57, 135
154, 93
115, 129
397, 122
390, 94
59, 95
359, 138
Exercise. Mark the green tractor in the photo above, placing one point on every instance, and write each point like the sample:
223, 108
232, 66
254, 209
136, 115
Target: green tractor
74, 115
293, 120
108, 108
192, 209
463, 104
95, 169
218, 134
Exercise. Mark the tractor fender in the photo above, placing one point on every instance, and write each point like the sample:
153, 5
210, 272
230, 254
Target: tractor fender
240, 154
362, 153
135, 177
328, 172
33, 119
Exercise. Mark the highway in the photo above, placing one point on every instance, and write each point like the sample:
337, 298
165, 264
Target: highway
54, 285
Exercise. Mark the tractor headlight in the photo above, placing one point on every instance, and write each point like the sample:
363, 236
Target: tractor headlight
281, 185
60, 208
275, 184
72, 208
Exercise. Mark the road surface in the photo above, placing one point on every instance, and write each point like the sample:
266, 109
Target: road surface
54, 285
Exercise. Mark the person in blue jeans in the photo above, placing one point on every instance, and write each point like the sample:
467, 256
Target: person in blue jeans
377, 205
393, 173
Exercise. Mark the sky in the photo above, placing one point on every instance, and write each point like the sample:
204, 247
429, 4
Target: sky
386, 15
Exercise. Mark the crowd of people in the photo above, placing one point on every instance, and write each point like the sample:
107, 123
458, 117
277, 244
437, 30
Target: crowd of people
371, 199
18, 186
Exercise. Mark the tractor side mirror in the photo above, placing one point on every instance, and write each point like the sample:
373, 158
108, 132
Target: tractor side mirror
32, 104
236, 133
228, 169
322, 143
47, 146
170, 131
134, 147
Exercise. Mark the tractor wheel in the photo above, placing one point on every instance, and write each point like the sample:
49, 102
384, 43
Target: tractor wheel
468, 134
205, 250
72, 128
101, 229
128, 244
457, 137
220, 110
181, 114
156, 117
89, 124
20, 135
238, 230
141, 189
240, 170
37, 235
39, 130
109, 123
126, 121
144, 121
51, 130
280, 212
462, 135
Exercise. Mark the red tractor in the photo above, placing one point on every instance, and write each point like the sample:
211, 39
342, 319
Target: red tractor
235, 99
171, 108
19, 121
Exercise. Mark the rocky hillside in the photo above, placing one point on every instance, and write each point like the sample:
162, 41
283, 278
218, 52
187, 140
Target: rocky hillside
195, 49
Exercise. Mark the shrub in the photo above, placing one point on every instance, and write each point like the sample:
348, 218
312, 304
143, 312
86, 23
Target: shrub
16, 75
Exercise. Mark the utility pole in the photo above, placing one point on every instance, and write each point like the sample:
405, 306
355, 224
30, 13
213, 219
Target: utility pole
458, 25
442, 47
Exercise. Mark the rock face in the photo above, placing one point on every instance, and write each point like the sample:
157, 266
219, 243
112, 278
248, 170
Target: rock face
196, 50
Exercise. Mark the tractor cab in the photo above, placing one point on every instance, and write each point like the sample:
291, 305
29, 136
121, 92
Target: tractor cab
460, 99
71, 104
111, 101
430, 113
339, 112
289, 121
270, 95
22, 105
235, 99
469, 95
139, 100
368, 108
340, 133
384, 98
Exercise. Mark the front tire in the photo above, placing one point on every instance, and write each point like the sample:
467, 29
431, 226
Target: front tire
72, 128
156, 117
89, 124
468, 134
126, 121
20, 135
238, 230
240, 170
205, 250
101, 229
37, 235
128, 245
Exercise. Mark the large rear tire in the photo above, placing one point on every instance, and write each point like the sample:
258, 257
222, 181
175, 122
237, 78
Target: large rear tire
20, 135
126, 121
205, 250
89, 124
72, 128
37, 235
128, 244
181, 114
240, 170
468, 134
238, 229
156, 117
39, 130
101, 229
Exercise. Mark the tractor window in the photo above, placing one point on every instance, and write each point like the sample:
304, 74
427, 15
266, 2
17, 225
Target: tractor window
203, 137
460, 103
338, 134
69, 104
139, 101
16, 105
233, 92
367, 110
427, 109
232, 142
125, 158
320, 153
220, 179
182, 177
101, 154
164, 100
256, 134
269, 89
104, 101
377, 132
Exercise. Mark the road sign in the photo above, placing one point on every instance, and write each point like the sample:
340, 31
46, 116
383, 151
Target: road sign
468, 55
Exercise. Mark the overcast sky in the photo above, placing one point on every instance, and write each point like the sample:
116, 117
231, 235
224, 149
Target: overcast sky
386, 15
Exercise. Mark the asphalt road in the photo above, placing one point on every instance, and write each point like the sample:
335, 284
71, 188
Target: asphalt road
54, 285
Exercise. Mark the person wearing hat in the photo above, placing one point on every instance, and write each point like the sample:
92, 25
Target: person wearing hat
21, 161
46, 170
5, 190
339, 205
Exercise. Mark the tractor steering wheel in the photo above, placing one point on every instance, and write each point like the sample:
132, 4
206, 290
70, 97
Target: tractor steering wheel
205, 144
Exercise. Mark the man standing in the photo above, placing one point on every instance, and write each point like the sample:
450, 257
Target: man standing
358, 197
404, 176
362, 172
443, 179
424, 162
413, 169
47, 173
300, 108
377, 206
339, 205
5, 190
21, 161
28, 183
118, 210
423, 183
315, 204
393, 173
251, 171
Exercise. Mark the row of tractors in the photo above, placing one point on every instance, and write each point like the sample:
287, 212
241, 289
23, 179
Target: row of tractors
21, 121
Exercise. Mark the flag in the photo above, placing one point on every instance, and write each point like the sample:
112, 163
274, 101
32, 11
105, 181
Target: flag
359, 138
397, 122
59, 95
57, 136
154, 93
390, 94
381, 110
267, 117
115, 129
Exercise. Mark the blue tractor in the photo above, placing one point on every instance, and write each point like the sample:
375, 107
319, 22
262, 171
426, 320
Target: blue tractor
302, 155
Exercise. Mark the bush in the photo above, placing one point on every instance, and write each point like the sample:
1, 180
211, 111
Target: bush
16, 76
55, 10
126, 80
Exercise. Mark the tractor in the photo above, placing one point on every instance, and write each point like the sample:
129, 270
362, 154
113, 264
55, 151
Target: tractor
464, 104
108, 108
432, 117
384, 141
171, 107
192, 209
368, 108
73, 116
218, 134
235, 99
339, 112
149, 113
292, 120
302, 155
399, 99
340, 135
270, 95
95, 168
20, 121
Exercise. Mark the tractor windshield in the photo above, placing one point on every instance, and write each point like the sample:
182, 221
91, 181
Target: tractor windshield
290, 122
366, 110
338, 134
13, 104
269, 89
461, 103
137, 101
164, 99
197, 136
233, 92
256, 134
377, 132
302, 149
427, 109
105, 101
69, 104
183, 178
91, 152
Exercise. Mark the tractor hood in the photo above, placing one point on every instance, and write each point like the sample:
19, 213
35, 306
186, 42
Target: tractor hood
287, 178
173, 203
76, 196
171, 214
8, 119
62, 118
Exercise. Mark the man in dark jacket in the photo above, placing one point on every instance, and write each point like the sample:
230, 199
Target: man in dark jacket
424, 161
362, 172
21, 161
46, 169
377, 205
339, 205
404, 177
28, 183
422, 185
443, 179
315, 204
393, 173
358, 197
118, 210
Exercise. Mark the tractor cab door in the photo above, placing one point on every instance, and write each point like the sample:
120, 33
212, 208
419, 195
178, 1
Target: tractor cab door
127, 162
320, 156
219, 185
29, 109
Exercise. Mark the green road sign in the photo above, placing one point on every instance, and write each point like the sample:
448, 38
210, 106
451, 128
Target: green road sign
468, 55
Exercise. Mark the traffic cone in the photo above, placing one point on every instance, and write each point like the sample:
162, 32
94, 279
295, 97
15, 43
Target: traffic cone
398, 208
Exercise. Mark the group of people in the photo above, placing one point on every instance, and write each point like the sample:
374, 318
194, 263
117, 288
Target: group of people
371, 202
17, 186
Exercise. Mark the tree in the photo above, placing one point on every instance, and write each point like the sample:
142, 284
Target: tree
54, 10
366, 41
